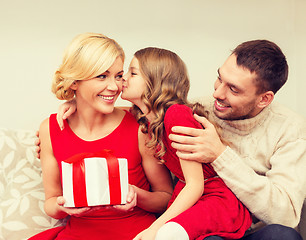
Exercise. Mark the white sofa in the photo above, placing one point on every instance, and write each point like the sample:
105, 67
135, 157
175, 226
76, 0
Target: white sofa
21, 190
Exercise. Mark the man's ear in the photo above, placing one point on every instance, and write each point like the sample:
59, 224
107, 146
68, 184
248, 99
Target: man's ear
74, 85
265, 99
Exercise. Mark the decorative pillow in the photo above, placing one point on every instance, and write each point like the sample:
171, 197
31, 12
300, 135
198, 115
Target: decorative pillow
21, 190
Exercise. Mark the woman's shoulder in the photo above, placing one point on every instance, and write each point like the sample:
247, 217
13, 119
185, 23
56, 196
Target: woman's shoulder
46, 122
43, 131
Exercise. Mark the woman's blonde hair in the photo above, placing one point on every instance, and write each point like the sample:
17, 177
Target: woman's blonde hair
167, 83
87, 56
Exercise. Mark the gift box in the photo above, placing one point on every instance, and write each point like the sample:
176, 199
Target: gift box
91, 179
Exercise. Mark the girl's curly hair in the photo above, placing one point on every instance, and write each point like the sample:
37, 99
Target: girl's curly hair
167, 83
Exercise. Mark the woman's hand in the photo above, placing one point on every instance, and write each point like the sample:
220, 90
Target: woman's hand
72, 211
131, 201
76, 211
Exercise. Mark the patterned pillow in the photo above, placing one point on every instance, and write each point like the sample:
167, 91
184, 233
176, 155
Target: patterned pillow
21, 190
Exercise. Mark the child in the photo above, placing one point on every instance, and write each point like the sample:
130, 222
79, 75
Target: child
157, 84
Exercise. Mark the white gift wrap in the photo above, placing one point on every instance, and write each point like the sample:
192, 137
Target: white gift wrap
97, 181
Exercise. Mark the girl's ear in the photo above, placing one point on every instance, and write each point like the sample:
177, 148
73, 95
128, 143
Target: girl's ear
265, 99
74, 85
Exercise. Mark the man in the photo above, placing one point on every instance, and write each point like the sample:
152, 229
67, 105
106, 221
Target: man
264, 160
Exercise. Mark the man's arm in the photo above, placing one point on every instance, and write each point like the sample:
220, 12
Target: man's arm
274, 194
274, 197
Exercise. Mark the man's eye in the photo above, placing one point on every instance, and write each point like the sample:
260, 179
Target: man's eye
233, 90
102, 76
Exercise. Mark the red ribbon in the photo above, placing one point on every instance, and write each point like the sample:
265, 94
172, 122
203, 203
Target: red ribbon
78, 175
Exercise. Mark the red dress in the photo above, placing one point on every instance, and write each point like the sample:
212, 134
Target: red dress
106, 223
218, 212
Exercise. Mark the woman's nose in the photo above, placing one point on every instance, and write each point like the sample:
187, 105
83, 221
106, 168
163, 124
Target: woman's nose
113, 85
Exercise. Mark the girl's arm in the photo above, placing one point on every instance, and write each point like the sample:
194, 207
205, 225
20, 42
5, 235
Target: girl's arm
64, 111
51, 178
159, 178
188, 196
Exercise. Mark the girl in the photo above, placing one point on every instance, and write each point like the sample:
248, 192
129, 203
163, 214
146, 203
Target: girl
157, 84
91, 72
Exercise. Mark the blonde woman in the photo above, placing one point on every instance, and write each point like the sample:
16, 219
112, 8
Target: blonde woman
91, 71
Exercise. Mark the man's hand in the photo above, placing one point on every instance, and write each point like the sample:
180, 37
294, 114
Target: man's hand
201, 145
37, 144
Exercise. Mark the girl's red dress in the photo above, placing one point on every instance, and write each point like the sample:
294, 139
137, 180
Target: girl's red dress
106, 223
218, 212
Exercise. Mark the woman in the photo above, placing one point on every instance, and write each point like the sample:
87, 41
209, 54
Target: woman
91, 72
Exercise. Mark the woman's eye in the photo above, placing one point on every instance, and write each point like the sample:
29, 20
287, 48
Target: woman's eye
134, 74
119, 77
101, 76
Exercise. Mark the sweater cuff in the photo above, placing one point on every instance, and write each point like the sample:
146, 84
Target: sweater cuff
226, 159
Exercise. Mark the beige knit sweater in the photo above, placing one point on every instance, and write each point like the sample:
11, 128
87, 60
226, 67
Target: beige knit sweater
265, 164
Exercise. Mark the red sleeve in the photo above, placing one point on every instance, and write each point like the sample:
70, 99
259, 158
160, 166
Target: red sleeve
179, 115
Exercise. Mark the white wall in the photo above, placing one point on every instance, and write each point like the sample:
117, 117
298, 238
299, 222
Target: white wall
34, 34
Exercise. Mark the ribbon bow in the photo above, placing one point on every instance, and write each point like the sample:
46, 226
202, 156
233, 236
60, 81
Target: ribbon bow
78, 175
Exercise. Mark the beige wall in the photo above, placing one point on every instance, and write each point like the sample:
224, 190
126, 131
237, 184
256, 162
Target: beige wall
34, 34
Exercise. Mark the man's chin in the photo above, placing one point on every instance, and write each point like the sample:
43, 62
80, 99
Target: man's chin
223, 116
220, 115
229, 117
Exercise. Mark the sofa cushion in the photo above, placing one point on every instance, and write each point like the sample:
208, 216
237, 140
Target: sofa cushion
21, 190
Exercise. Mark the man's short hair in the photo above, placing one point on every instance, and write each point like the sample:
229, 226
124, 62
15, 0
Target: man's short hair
267, 60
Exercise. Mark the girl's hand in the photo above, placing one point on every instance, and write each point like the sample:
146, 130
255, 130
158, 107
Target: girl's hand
131, 200
64, 111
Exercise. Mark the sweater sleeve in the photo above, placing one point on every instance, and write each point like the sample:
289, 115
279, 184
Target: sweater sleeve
274, 195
